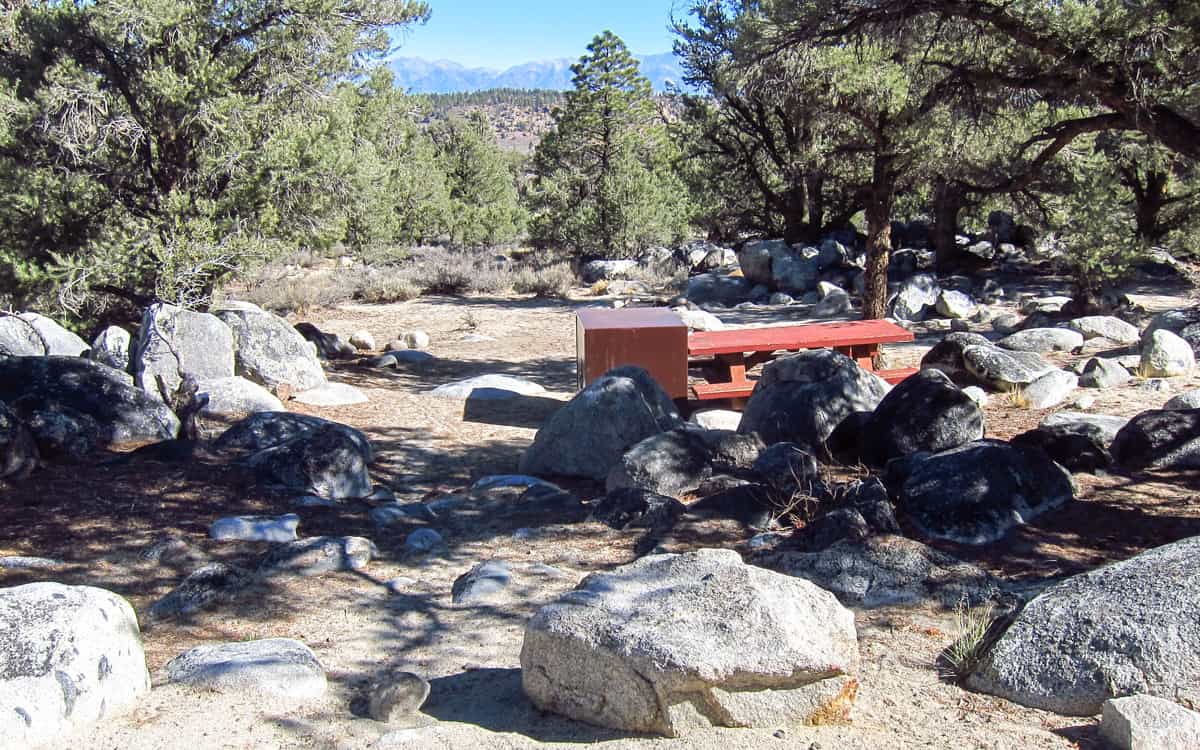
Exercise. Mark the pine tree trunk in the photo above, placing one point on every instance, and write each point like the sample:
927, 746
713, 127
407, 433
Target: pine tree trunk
947, 204
879, 235
793, 218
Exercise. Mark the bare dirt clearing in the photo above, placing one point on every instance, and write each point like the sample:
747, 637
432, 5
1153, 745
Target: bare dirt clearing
99, 517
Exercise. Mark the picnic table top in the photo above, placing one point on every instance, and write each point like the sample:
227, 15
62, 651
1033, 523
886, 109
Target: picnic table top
806, 336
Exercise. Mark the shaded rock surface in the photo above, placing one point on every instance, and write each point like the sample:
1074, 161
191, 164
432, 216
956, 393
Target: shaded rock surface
671, 463
884, 570
1077, 446
231, 400
18, 451
1122, 629
1002, 369
803, 397
588, 436
672, 642
976, 493
318, 555
1159, 439
925, 412
121, 413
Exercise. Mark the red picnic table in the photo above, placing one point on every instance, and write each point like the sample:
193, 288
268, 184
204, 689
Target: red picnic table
657, 340
737, 350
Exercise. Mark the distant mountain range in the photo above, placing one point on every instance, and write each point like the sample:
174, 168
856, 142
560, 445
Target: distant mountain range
445, 77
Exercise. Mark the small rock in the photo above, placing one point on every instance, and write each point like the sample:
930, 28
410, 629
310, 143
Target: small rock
255, 528
1143, 722
417, 340
1099, 372
780, 298
423, 540
202, 588
395, 345
23, 562
397, 696
317, 555
312, 501
716, 419
1050, 389
976, 394
275, 667
363, 341
412, 357
481, 584
955, 305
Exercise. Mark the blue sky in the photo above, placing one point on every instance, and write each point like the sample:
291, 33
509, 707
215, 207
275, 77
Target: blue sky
502, 33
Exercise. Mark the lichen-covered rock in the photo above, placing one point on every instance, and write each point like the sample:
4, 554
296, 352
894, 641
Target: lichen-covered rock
1122, 629
673, 642
69, 656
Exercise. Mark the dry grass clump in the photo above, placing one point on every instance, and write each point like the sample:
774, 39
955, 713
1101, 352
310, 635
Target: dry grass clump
401, 275
972, 627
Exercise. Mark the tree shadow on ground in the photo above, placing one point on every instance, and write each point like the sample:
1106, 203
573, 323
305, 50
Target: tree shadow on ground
494, 699
552, 373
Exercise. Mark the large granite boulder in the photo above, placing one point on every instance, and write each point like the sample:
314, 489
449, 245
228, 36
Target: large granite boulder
1100, 372
916, 297
1077, 446
925, 412
1002, 369
112, 347
978, 492
18, 451
1122, 629
18, 338
327, 345
174, 342
230, 400
58, 341
271, 352
675, 642
947, 356
588, 436
755, 260
1050, 390
803, 397
122, 414
884, 570
717, 288
1174, 321
69, 656
1159, 439
672, 463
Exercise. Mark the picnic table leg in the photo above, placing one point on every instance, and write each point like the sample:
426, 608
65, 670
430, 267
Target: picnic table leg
863, 354
733, 367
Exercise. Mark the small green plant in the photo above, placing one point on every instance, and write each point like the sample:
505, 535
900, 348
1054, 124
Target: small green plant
972, 625
1017, 398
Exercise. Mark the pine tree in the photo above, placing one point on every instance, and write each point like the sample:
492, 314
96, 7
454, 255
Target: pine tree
483, 195
603, 180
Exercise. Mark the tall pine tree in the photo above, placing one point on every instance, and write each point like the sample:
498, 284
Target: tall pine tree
603, 182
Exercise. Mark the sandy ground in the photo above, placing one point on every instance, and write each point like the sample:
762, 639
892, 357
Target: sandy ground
397, 613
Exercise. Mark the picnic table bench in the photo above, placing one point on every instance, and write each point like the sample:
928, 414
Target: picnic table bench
737, 350
657, 340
